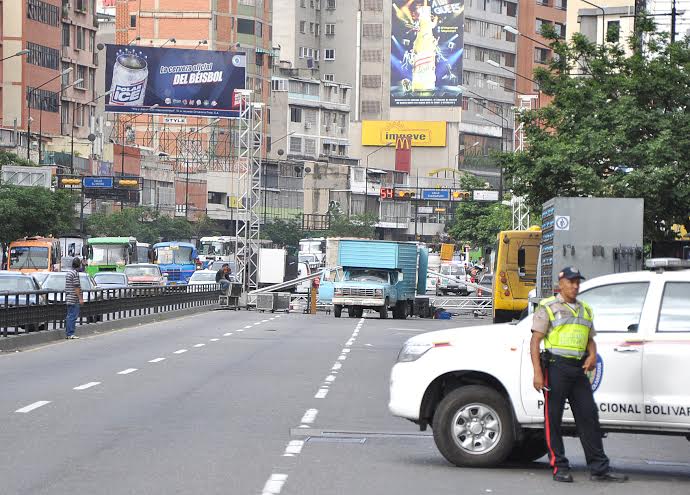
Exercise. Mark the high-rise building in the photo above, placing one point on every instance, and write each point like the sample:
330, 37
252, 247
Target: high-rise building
38, 88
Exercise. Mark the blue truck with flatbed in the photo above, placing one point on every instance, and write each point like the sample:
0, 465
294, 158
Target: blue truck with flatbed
378, 275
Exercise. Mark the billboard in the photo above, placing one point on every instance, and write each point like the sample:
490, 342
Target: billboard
426, 53
383, 132
180, 82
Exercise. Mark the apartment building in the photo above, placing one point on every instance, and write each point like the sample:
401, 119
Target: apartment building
617, 17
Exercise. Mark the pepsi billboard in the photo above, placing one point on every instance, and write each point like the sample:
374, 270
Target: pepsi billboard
180, 82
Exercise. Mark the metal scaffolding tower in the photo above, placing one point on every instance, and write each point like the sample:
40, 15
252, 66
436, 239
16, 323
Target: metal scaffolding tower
247, 237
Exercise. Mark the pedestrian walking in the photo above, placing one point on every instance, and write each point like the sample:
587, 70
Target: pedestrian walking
565, 325
73, 298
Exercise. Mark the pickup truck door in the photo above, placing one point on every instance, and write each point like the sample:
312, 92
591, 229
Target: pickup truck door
667, 357
617, 380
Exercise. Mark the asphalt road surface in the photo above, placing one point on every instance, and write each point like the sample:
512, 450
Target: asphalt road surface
250, 403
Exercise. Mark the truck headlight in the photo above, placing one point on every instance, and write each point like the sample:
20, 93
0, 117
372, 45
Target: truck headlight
378, 292
412, 352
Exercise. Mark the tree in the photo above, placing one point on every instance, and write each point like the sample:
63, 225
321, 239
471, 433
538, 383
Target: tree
284, 233
8, 158
33, 211
621, 129
477, 222
362, 226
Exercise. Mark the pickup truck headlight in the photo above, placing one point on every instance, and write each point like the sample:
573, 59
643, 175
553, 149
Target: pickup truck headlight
412, 352
378, 292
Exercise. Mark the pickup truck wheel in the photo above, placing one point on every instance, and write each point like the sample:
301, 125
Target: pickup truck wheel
473, 427
351, 312
359, 313
532, 447
337, 310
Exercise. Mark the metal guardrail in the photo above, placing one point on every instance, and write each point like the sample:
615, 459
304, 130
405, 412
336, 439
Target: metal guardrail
32, 311
478, 306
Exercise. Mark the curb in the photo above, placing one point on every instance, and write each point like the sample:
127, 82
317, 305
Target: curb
20, 342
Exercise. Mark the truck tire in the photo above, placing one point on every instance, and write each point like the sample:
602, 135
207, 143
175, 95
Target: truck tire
473, 427
532, 447
360, 312
352, 312
400, 310
383, 312
501, 316
337, 310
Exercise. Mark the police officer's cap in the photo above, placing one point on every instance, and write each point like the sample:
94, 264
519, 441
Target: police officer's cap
571, 273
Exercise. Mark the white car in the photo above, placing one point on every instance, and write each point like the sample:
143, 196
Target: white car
473, 385
203, 277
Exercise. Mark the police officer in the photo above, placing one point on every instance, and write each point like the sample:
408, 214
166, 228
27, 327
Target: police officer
565, 326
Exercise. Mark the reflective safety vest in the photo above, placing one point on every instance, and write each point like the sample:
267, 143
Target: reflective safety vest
569, 335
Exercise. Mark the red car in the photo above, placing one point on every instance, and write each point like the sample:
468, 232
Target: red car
144, 274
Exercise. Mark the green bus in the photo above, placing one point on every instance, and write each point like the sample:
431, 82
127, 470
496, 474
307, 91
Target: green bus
112, 254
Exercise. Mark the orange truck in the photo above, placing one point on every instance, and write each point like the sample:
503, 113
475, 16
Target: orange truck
35, 254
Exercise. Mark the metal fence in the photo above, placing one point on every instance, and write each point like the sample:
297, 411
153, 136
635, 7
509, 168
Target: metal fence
22, 312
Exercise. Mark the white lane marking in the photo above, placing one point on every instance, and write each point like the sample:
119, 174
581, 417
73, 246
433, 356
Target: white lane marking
293, 448
330, 379
199, 345
227, 334
309, 416
274, 484
345, 351
181, 351
278, 316
213, 340
127, 371
33, 406
86, 385
321, 394
157, 360
248, 326
240, 330
257, 323
264, 321
337, 366
342, 357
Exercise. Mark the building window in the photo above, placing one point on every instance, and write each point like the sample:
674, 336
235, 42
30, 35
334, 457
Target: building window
511, 9
329, 54
81, 39
329, 77
43, 56
216, 198
303, 3
81, 74
39, 11
510, 37
330, 4
42, 99
540, 23
613, 31
371, 106
66, 77
371, 81
245, 26
311, 28
561, 4
317, 29
66, 35
372, 31
259, 62
133, 21
560, 29
372, 55
296, 145
509, 59
330, 29
544, 3
80, 5
295, 114
302, 27
541, 55
279, 85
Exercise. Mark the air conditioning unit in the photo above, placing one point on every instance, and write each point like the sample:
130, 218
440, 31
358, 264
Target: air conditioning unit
307, 125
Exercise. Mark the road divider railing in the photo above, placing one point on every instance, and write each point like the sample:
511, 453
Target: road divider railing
33, 311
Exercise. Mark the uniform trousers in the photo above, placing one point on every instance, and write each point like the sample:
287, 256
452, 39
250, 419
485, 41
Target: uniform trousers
567, 380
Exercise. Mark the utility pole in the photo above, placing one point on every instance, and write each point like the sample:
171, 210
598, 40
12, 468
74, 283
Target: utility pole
674, 14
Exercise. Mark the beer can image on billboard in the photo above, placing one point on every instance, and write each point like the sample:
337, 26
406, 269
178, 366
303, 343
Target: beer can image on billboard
130, 75
173, 81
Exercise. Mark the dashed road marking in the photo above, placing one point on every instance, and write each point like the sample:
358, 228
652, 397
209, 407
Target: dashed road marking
293, 448
33, 406
180, 351
330, 379
321, 394
86, 385
157, 360
227, 334
342, 357
274, 484
213, 340
248, 326
309, 416
345, 351
127, 371
199, 345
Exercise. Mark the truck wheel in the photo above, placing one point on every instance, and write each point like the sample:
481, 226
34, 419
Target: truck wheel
351, 312
360, 312
532, 447
337, 310
501, 316
383, 312
473, 427
400, 310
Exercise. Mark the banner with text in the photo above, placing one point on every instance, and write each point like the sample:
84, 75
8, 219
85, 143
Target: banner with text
419, 133
179, 82
426, 52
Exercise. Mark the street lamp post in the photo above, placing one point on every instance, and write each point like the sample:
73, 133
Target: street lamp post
170, 40
514, 31
40, 118
186, 189
499, 66
18, 54
603, 21
462, 152
31, 92
74, 108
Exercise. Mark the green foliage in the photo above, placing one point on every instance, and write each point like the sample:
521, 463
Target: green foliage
7, 158
284, 233
30, 211
621, 129
148, 225
362, 226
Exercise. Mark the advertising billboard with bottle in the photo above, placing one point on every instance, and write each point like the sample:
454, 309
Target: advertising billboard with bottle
426, 52
173, 81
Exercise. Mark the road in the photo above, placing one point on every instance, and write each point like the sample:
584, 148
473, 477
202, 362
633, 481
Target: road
251, 403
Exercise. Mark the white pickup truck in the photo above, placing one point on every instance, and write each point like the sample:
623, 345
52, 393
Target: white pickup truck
473, 385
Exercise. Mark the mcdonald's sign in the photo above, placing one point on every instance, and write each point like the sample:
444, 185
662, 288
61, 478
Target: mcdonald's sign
403, 154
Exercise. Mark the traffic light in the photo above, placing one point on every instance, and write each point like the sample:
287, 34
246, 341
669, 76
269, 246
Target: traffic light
461, 195
386, 193
406, 194
128, 183
70, 181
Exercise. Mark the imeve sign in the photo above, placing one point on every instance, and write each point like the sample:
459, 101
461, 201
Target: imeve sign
383, 132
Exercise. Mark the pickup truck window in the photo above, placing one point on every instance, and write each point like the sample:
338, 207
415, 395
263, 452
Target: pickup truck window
368, 276
617, 307
675, 308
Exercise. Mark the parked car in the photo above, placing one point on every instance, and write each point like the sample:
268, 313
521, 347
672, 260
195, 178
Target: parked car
55, 282
12, 282
203, 277
457, 285
144, 275
485, 285
217, 265
111, 280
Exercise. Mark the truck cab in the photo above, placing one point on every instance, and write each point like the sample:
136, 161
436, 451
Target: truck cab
367, 288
